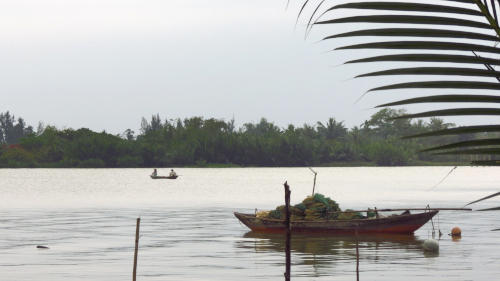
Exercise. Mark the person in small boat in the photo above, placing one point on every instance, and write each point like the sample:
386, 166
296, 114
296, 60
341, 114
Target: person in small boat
155, 173
172, 173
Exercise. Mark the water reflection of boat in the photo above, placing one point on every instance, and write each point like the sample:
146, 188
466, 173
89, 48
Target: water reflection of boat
320, 249
405, 223
325, 245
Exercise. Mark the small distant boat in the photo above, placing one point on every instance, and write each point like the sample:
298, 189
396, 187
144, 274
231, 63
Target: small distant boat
404, 223
164, 177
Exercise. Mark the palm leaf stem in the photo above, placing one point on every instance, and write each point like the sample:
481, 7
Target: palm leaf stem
488, 16
494, 10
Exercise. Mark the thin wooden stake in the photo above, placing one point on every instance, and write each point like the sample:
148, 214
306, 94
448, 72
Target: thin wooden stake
288, 232
134, 273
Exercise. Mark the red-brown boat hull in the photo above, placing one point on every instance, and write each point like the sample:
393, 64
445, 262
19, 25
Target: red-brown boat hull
397, 224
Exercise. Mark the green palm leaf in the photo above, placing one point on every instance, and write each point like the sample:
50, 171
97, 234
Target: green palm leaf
441, 85
446, 98
487, 151
424, 45
481, 142
408, 19
416, 32
407, 7
490, 209
463, 1
484, 198
453, 112
429, 58
486, 163
458, 131
435, 71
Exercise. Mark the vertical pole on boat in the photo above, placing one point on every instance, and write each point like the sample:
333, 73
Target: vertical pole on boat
136, 248
314, 183
357, 256
288, 232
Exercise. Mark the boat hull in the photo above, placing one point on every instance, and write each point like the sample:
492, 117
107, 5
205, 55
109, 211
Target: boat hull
163, 177
397, 224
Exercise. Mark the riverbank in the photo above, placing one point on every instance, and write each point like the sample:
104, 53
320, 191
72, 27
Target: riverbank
230, 165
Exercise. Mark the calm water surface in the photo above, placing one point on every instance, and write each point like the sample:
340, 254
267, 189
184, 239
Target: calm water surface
87, 218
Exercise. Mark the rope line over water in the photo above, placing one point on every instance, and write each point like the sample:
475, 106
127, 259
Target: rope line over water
445, 177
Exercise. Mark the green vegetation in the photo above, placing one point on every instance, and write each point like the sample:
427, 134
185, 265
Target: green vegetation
315, 207
216, 143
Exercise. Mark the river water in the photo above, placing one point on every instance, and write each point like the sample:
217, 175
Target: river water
188, 232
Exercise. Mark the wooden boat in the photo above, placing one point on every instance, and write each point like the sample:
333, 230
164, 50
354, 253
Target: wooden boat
405, 223
164, 177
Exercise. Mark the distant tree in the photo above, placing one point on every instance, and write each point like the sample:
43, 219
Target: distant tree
10, 130
129, 134
332, 129
145, 127
40, 128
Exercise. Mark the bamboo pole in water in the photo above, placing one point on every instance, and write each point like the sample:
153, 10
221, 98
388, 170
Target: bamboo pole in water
136, 248
288, 232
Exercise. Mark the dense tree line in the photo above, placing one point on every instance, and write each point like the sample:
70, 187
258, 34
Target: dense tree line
198, 141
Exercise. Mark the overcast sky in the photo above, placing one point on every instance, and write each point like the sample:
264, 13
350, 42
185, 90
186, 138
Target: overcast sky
104, 64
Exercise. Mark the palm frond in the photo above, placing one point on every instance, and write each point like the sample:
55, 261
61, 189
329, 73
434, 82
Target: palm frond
441, 85
445, 32
407, 7
481, 142
446, 98
490, 209
416, 32
406, 19
459, 71
486, 163
484, 198
452, 112
475, 151
428, 58
458, 131
423, 45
